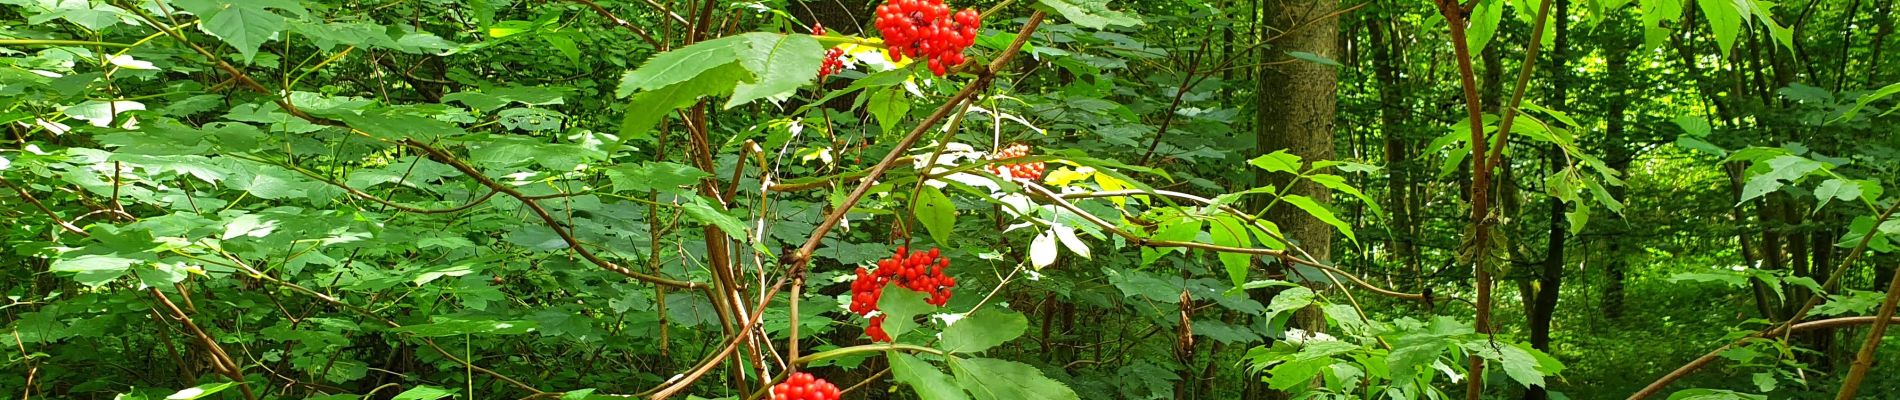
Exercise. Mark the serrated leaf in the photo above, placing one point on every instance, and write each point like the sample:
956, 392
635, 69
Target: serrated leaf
245, 26
682, 64
782, 63
888, 106
936, 213
993, 379
1835, 189
1092, 14
983, 329
929, 382
649, 107
654, 175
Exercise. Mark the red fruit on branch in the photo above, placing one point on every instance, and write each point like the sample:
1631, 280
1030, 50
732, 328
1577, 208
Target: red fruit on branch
804, 386
921, 272
926, 29
1024, 171
834, 62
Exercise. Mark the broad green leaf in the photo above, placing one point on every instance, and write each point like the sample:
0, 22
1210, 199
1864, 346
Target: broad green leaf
1172, 230
888, 106
1229, 231
1725, 20
1513, 359
95, 269
702, 210
1092, 14
993, 379
655, 175
1320, 212
902, 307
1483, 24
1835, 189
1278, 161
245, 26
1149, 287
200, 391
782, 63
101, 113
456, 327
649, 107
424, 392
929, 382
936, 213
684, 64
1289, 300
1655, 12
983, 329
1296, 373
1730, 279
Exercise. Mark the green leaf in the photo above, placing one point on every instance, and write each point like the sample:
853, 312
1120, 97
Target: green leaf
929, 382
245, 26
903, 307
1725, 20
937, 214
655, 175
1278, 161
1517, 362
457, 327
889, 106
782, 63
649, 107
1483, 25
1655, 12
1866, 100
1339, 184
1835, 189
983, 329
1229, 231
1296, 373
200, 391
1324, 214
683, 64
424, 392
993, 379
1315, 58
1092, 14
95, 270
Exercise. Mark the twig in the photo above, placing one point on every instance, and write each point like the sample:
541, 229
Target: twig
1814, 299
620, 22
42, 206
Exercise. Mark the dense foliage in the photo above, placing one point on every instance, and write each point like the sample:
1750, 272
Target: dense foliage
1051, 199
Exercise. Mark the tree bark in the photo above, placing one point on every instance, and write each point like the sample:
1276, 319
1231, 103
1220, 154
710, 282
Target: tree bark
1295, 113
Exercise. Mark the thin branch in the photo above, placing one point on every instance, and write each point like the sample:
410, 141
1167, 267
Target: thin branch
1814, 299
620, 22
42, 206
550, 220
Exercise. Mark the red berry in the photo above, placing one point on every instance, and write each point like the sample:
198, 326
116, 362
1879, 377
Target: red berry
804, 386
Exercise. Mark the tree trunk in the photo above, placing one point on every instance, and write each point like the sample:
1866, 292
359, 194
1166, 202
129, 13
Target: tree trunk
1296, 103
1544, 304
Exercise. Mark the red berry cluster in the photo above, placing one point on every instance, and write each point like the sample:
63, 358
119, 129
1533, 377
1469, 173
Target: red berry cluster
834, 58
803, 386
918, 271
834, 62
927, 29
1025, 171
